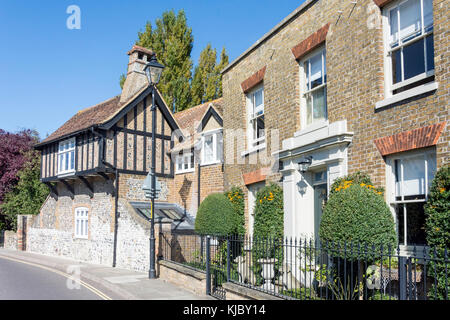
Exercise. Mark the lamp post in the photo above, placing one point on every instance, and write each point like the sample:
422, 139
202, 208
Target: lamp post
153, 70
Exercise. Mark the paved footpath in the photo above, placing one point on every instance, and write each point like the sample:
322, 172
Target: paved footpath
103, 281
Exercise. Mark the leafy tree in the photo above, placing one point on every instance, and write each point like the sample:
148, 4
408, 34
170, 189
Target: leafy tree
13, 149
29, 193
207, 80
437, 227
172, 41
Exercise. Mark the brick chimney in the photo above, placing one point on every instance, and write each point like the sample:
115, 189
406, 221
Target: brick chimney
136, 78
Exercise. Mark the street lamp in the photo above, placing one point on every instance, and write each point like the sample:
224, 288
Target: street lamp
153, 70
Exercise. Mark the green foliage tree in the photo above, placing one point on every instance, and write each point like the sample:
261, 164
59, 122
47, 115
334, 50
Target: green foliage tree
236, 197
437, 228
216, 216
207, 80
172, 41
356, 213
29, 193
268, 228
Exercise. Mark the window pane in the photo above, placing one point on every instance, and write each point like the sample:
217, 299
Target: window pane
209, 148
259, 107
415, 223
260, 127
319, 101
413, 59
316, 71
400, 223
66, 161
398, 179
86, 227
428, 14
309, 109
393, 21
396, 66
430, 52
77, 232
306, 68
219, 147
410, 20
72, 160
413, 176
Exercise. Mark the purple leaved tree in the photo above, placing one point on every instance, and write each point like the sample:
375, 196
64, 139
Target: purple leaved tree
13, 147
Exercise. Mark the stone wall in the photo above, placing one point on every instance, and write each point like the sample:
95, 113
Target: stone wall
10, 240
187, 278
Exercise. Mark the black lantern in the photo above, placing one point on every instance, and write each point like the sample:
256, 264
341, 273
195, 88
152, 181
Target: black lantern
153, 70
304, 164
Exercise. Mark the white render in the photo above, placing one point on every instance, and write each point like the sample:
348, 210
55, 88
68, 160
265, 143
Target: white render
327, 143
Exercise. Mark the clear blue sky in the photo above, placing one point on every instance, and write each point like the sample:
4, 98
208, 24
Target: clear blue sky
48, 72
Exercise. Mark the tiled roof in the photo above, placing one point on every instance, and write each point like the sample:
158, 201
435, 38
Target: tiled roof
86, 118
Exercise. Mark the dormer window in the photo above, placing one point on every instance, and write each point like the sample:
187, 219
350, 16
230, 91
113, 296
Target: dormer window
66, 156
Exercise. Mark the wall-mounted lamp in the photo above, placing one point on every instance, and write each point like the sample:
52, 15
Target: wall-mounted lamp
304, 164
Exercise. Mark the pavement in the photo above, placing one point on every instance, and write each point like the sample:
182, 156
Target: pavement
107, 282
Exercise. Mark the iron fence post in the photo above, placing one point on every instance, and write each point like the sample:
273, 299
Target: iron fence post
208, 271
402, 277
228, 260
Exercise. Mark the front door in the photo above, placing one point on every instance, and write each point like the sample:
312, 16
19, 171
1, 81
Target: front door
320, 198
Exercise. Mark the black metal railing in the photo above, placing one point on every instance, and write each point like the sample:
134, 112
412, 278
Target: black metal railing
311, 270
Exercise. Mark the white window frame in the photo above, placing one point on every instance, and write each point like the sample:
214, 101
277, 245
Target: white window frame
429, 154
304, 91
389, 85
81, 226
254, 143
64, 154
216, 134
185, 157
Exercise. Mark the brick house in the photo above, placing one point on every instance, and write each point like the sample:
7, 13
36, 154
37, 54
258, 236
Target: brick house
95, 165
348, 86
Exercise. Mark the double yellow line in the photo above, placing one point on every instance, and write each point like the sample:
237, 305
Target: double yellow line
84, 284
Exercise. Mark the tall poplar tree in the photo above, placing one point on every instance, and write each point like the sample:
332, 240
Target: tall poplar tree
172, 41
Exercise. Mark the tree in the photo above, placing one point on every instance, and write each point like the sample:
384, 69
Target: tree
207, 80
172, 41
28, 195
13, 149
437, 227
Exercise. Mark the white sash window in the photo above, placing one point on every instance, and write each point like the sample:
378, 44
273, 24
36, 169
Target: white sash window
66, 156
81, 223
256, 126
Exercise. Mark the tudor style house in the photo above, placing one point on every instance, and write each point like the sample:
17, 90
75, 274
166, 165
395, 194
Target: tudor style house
344, 86
95, 165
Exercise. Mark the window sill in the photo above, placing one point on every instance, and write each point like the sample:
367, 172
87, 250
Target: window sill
407, 94
185, 171
253, 150
66, 174
210, 163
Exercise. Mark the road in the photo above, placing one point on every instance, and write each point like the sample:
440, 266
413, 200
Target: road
23, 281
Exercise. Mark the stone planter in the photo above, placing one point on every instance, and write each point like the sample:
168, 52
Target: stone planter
268, 273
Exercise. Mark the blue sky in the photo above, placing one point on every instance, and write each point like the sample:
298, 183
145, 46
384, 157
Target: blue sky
48, 72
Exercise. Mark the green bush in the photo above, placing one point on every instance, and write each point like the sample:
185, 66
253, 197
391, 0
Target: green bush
268, 227
216, 216
357, 213
437, 228
236, 197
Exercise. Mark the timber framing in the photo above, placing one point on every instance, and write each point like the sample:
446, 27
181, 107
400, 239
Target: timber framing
88, 185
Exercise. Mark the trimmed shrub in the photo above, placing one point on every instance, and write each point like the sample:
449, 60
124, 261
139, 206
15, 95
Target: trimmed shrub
236, 197
437, 228
357, 214
216, 216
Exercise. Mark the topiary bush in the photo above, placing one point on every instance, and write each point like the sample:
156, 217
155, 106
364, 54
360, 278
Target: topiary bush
236, 197
437, 228
216, 216
268, 228
357, 213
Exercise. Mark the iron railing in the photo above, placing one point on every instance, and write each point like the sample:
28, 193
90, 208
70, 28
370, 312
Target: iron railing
312, 270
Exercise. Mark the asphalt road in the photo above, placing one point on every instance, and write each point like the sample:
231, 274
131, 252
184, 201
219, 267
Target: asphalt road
20, 281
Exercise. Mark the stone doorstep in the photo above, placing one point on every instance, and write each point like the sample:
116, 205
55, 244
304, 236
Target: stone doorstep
247, 292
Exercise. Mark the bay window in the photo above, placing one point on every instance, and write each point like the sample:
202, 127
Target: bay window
66, 156
409, 44
314, 88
